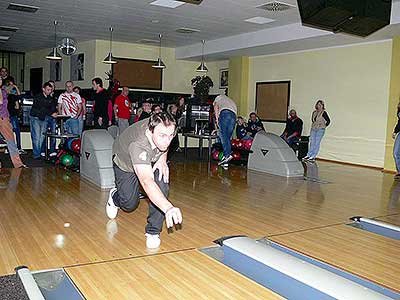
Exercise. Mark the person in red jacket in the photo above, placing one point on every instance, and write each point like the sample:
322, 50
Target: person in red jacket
123, 109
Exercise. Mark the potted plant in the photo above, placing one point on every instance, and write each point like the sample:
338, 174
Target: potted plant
201, 87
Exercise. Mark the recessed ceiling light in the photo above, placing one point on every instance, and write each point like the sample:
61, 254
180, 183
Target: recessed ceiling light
155, 21
4, 38
167, 3
187, 30
23, 7
8, 28
259, 20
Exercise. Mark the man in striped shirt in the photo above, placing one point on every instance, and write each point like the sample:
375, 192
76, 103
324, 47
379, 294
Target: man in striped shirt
70, 104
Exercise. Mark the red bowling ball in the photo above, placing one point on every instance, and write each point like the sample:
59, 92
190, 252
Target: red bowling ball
76, 146
215, 155
236, 155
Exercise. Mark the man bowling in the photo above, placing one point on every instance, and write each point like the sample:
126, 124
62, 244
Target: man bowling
140, 158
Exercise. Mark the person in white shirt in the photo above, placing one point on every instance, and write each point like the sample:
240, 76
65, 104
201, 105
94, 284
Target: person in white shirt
225, 114
70, 104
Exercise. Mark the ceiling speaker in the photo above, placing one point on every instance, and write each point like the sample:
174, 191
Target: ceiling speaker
67, 46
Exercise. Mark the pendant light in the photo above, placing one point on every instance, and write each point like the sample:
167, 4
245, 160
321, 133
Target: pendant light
110, 58
202, 67
160, 64
54, 55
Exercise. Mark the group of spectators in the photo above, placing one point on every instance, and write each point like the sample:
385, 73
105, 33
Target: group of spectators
293, 129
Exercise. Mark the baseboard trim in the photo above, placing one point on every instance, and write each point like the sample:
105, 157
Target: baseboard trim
351, 164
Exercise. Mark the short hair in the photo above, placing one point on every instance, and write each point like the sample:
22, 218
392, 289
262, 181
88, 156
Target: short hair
322, 103
164, 118
292, 110
78, 88
47, 84
253, 113
98, 81
69, 81
52, 81
11, 79
4, 69
125, 87
153, 108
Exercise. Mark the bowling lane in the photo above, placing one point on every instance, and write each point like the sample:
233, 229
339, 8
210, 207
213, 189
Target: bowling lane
362, 253
180, 275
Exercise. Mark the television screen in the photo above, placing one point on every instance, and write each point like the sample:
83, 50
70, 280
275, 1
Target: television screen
357, 17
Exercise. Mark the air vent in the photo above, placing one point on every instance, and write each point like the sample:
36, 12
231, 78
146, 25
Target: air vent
23, 7
148, 41
197, 2
276, 6
8, 28
187, 30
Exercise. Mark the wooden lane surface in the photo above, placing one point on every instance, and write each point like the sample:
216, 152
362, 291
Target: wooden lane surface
182, 275
360, 252
393, 219
35, 204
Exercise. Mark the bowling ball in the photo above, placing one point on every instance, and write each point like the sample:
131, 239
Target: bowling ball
66, 160
239, 144
236, 155
220, 155
76, 145
68, 143
215, 154
247, 144
233, 142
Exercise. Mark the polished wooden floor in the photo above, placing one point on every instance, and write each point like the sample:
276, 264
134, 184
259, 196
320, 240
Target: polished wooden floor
36, 204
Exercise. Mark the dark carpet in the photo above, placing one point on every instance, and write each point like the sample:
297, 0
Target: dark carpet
26, 158
11, 288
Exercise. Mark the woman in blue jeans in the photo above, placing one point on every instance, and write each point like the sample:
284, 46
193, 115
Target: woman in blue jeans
396, 149
320, 120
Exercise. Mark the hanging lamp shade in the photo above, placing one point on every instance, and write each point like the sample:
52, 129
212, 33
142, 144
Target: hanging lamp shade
54, 55
160, 64
202, 67
109, 59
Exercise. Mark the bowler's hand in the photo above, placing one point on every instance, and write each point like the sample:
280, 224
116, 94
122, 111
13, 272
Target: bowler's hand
393, 135
173, 216
54, 115
100, 121
163, 170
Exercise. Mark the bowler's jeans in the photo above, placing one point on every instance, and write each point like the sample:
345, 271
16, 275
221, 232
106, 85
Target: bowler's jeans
15, 125
72, 126
122, 124
127, 197
226, 123
38, 130
50, 127
316, 136
396, 152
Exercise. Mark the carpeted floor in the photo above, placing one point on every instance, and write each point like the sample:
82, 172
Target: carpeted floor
11, 288
26, 158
